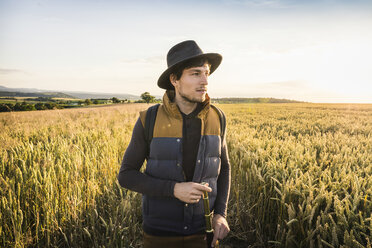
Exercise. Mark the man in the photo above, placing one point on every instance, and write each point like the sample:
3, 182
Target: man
186, 150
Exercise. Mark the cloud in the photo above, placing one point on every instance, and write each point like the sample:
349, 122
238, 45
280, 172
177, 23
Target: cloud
4, 71
52, 19
278, 4
149, 60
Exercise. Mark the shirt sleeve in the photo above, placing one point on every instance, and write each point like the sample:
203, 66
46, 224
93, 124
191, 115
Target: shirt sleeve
130, 176
223, 183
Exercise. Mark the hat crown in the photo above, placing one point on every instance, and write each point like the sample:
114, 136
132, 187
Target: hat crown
182, 51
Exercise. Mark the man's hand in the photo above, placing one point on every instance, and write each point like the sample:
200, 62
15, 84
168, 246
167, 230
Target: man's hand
220, 227
190, 192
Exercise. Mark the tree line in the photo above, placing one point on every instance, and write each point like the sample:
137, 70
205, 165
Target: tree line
49, 103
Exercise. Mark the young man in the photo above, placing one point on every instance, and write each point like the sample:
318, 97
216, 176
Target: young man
186, 150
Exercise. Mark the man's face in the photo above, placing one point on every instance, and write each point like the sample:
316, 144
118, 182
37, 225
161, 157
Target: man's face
192, 86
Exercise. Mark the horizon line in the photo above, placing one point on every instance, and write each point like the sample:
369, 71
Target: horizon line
246, 97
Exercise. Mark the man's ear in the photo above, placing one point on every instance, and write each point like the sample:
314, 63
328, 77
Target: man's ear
172, 79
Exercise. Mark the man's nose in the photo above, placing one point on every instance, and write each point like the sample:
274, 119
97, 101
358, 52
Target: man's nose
204, 79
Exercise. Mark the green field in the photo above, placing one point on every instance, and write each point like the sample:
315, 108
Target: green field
22, 98
301, 176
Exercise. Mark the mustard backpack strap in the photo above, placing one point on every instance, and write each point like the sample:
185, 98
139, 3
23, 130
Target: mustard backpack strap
222, 121
149, 125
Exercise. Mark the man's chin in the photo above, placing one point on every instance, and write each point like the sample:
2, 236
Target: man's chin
194, 99
199, 99
204, 97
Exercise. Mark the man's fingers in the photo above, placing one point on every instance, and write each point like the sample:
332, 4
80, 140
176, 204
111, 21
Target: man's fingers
192, 192
223, 232
214, 241
202, 187
196, 196
197, 193
216, 234
197, 199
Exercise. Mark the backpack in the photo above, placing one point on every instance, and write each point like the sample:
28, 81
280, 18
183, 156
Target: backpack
151, 117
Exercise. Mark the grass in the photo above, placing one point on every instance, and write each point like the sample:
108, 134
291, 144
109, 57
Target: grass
301, 176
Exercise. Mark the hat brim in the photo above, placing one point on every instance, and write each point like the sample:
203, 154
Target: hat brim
213, 58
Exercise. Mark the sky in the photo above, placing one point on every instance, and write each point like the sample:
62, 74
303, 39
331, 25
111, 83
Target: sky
315, 51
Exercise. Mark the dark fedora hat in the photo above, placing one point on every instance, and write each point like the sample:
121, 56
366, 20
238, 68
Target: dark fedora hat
181, 53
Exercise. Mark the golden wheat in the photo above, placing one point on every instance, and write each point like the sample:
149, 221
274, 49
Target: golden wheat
301, 176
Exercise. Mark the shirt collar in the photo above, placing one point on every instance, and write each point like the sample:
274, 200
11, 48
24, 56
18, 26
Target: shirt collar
172, 109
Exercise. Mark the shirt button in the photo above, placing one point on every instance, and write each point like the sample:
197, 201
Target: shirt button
199, 161
178, 140
185, 227
186, 205
178, 164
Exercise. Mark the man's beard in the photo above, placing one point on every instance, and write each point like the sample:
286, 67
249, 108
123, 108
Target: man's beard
187, 99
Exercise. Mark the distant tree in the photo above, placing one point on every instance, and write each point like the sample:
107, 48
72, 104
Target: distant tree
50, 105
40, 106
6, 107
17, 107
115, 100
27, 107
88, 102
147, 97
95, 101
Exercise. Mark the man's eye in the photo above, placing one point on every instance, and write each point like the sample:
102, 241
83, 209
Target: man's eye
196, 73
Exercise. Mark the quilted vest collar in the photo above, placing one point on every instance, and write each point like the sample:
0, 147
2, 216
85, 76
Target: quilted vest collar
172, 109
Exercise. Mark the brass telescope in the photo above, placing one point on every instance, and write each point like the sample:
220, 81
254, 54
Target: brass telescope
208, 220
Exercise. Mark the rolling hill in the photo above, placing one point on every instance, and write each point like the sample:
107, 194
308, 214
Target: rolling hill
32, 92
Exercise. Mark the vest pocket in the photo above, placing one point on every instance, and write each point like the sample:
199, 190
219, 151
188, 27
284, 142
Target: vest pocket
165, 208
212, 168
165, 169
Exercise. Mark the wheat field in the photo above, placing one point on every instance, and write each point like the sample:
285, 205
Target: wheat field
301, 176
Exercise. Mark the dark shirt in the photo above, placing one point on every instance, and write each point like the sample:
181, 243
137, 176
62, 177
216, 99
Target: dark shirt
190, 141
129, 174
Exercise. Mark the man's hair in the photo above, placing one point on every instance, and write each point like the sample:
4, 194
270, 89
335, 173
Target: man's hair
197, 62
